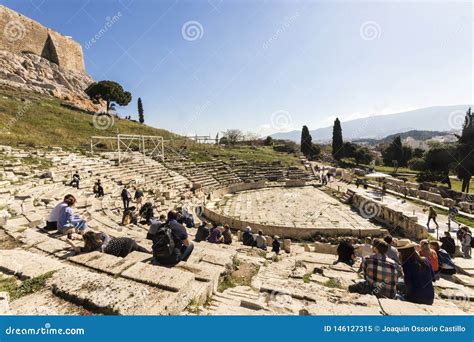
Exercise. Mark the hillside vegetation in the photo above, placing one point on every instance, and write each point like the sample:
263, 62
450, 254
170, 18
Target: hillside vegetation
33, 120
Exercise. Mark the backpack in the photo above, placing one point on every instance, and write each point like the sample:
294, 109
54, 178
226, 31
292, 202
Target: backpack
163, 242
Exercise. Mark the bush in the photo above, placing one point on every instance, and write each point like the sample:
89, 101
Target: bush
417, 164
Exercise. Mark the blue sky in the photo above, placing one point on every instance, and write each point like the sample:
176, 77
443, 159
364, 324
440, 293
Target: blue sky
269, 66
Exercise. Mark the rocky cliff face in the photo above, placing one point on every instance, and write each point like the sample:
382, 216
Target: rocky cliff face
30, 72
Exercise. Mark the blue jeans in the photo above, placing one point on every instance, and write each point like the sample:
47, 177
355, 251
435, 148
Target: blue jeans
186, 251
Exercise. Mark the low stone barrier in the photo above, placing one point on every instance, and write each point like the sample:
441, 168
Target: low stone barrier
370, 208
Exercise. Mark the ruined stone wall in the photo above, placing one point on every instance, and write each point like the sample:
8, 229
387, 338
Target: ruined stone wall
19, 34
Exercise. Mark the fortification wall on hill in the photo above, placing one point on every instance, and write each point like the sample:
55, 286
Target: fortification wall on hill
20, 34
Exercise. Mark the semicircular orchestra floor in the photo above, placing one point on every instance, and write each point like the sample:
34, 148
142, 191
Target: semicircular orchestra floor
305, 207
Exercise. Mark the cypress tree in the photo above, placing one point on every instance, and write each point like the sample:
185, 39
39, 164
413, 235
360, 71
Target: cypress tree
337, 143
141, 117
306, 141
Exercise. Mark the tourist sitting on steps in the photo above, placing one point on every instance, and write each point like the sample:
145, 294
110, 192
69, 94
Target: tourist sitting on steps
146, 213
345, 252
247, 237
417, 274
429, 254
380, 273
227, 235
68, 222
216, 234
155, 226
276, 244
119, 247
75, 180
392, 252
52, 221
261, 241
202, 233
365, 249
448, 244
129, 216
446, 264
171, 244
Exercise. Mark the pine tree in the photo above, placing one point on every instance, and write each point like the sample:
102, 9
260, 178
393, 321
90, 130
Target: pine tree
465, 152
141, 118
306, 141
337, 143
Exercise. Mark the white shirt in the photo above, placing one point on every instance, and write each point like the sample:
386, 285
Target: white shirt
54, 215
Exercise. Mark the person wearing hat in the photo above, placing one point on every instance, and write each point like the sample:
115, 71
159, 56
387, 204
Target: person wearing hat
276, 244
417, 274
247, 237
429, 254
380, 273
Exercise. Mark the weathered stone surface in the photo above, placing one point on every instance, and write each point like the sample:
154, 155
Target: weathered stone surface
463, 279
4, 303
26, 264
102, 262
170, 279
105, 294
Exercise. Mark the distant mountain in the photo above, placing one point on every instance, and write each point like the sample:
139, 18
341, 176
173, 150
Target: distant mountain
440, 118
415, 134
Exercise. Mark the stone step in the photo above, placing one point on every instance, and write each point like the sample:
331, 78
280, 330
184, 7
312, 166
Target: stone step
104, 294
103, 262
170, 279
26, 264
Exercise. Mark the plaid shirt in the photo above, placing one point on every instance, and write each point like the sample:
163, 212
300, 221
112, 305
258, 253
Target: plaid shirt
382, 274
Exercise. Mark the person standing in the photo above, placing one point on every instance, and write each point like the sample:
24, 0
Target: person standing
125, 197
466, 239
139, 197
432, 216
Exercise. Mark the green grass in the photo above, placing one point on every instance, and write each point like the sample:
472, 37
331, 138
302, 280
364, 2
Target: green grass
32, 285
333, 283
43, 121
34, 120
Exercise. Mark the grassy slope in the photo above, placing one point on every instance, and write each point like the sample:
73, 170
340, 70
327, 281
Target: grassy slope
44, 122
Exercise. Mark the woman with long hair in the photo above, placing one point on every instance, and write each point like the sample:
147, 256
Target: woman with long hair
417, 274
